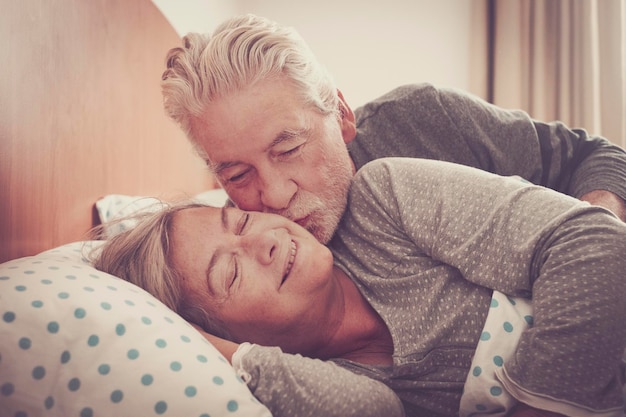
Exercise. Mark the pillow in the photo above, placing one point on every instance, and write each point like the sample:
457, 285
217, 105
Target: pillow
116, 206
79, 342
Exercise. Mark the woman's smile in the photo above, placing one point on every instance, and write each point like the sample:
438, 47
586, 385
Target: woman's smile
293, 250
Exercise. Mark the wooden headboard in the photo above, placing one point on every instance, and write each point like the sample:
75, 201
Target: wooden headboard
81, 116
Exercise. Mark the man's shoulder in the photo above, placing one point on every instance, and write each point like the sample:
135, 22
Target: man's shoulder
402, 93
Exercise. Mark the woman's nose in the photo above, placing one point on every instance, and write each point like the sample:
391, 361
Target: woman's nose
262, 246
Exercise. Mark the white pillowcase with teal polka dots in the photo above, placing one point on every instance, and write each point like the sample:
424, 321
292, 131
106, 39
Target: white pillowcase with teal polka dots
76, 342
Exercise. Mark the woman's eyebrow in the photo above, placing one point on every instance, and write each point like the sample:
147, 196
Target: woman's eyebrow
215, 255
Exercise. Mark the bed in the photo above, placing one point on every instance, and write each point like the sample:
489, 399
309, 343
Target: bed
84, 138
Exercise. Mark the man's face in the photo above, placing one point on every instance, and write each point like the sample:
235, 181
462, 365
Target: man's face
274, 154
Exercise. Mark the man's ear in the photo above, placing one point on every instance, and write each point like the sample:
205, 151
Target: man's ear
348, 122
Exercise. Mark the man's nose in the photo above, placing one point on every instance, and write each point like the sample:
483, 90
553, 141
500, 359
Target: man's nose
277, 191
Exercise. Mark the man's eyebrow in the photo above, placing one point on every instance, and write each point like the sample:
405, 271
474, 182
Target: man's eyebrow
286, 135
213, 261
216, 168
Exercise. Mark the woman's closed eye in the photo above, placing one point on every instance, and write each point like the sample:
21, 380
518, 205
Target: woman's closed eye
234, 275
242, 223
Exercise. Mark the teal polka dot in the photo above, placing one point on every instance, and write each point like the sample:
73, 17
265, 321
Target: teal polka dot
63, 295
477, 371
232, 406
217, 380
74, 384
93, 340
80, 313
147, 379
20, 288
48, 403
146, 320
39, 372
191, 391
485, 336
133, 354
529, 319
169, 320
7, 389
175, 366
129, 302
88, 289
498, 361
4, 278
117, 396
71, 277
112, 288
512, 301
160, 407
65, 357
120, 329
185, 339
8, 317
104, 369
24, 343
202, 358
105, 305
53, 327
204, 415
86, 412
53, 268
494, 303
37, 304
495, 391
46, 281
161, 343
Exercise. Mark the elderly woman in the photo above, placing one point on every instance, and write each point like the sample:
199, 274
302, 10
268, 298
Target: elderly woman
399, 301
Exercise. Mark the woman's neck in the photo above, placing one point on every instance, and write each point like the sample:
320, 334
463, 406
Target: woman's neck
362, 336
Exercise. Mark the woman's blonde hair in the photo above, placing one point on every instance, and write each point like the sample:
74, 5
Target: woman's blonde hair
242, 50
140, 255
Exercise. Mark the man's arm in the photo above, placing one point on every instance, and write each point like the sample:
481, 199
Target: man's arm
422, 121
608, 200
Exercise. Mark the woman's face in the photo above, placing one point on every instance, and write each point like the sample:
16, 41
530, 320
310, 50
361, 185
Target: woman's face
263, 275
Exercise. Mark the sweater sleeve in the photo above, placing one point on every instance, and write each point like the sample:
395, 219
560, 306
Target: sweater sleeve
293, 385
447, 124
495, 230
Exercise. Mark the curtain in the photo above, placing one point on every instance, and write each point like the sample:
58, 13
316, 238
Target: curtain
561, 60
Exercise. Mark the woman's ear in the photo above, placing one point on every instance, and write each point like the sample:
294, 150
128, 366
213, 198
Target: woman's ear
348, 122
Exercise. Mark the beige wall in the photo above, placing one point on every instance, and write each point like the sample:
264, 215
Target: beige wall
369, 47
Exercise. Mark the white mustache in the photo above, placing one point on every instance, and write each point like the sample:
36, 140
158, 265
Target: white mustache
302, 205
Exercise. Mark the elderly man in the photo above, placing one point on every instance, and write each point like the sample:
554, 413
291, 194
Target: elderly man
272, 126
